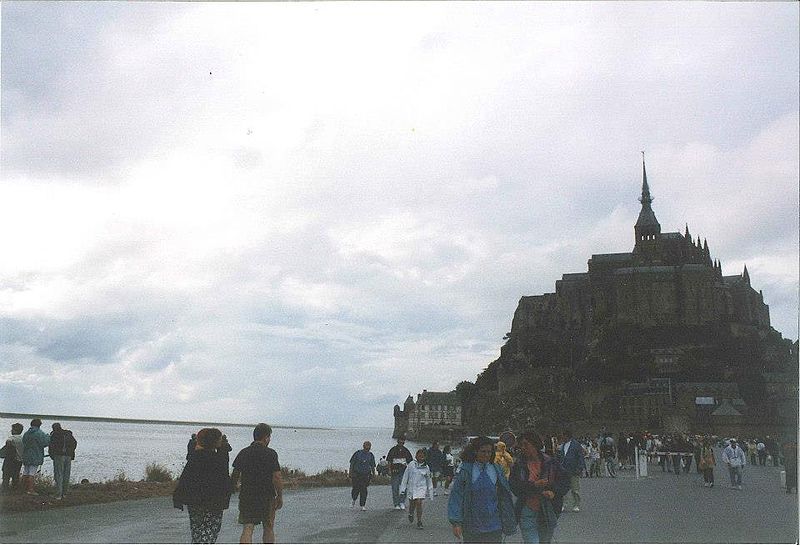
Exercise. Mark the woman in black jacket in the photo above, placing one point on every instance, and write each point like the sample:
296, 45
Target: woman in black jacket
535, 480
204, 487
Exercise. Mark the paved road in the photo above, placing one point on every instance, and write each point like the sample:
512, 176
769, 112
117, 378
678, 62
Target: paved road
659, 509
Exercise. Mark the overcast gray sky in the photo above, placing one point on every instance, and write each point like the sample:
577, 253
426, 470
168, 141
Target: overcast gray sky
303, 212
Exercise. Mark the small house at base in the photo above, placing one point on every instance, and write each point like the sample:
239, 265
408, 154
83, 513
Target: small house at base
434, 414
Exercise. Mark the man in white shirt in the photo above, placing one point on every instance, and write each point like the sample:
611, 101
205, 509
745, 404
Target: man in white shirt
734, 457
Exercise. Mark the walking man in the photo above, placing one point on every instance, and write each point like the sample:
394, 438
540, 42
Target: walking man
734, 457
262, 488
362, 467
435, 460
62, 452
399, 457
570, 456
33, 442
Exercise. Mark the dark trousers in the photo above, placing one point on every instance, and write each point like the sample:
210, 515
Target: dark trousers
708, 475
762, 457
487, 537
687, 463
11, 469
676, 464
360, 484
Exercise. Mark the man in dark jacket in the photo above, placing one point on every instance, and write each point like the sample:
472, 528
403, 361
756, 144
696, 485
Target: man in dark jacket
399, 457
570, 456
62, 452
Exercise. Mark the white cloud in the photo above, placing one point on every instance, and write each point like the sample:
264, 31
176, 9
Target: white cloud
203, 199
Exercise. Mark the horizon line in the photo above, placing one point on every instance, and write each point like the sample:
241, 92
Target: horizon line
78, 418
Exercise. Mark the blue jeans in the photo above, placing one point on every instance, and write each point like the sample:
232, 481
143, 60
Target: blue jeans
61, 470
396, 479
529, 525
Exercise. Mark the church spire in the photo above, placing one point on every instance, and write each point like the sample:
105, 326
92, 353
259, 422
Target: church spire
645, 199
746, 275
647, 226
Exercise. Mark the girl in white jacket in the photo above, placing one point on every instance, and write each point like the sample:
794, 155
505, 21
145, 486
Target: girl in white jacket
417, 485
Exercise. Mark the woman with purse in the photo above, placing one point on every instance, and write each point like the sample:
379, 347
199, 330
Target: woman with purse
205, 487
533, 480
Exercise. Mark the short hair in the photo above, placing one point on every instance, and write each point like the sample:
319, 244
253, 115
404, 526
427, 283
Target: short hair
532, 437
422, 450
261, 431
17, 428
36, 423
56, 426
208, 437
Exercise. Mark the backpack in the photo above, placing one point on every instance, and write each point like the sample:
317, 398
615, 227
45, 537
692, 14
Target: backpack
70, 444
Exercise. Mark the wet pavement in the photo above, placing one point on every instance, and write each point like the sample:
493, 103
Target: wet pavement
659, 509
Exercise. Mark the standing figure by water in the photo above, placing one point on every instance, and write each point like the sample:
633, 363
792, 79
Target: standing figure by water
707, 462
33, 443
399, 457
12, 462
417, 485
261, 494
62, 452
204, 487
362, 467
734, 458
481, 508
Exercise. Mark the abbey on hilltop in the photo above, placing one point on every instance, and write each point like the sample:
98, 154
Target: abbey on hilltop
656, 338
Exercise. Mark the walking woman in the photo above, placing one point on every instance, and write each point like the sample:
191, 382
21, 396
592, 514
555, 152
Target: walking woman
204, 487
534, 480
417, 484
481, 508
707, 463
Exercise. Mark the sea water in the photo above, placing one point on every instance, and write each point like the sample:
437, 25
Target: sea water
108, 449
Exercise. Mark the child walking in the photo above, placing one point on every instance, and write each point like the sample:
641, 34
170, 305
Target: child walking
417, 485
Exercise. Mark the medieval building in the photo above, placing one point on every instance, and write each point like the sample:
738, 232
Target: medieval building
436, 413
656, 337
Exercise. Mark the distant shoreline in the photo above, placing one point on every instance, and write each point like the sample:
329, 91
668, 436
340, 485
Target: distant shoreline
143, 421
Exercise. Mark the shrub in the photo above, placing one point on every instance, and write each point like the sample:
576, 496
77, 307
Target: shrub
156, 473
119, 477
44, 484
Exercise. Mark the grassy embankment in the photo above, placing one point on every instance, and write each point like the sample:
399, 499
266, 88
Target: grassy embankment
158, 481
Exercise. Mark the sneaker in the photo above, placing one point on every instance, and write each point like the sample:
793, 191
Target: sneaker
419, 525
739, 487
446, 493
576, 509
363, 507
411, 517
435, 493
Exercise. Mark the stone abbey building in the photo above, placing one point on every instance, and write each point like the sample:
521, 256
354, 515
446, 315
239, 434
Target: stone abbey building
657, 337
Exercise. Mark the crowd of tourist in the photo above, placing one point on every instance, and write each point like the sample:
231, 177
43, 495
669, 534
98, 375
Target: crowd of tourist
494, 487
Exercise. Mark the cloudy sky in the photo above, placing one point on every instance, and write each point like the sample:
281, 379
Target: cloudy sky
303, 212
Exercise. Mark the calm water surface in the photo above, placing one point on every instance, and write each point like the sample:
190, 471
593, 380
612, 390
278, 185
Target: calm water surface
106, 449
